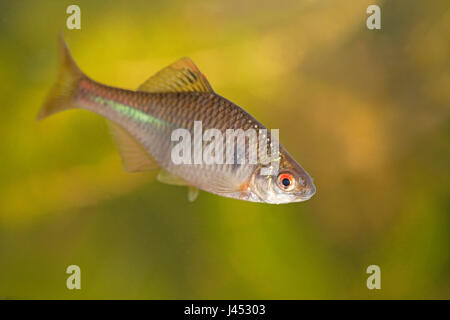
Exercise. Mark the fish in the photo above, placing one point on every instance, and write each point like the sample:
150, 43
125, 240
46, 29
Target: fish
143, 123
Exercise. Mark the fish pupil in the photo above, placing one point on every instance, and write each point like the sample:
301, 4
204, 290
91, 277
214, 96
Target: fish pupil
286, 182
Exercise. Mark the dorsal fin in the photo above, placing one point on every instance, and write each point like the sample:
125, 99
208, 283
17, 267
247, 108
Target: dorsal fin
181, 76
134, 157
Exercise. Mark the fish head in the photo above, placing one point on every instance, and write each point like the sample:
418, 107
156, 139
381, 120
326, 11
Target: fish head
290, 183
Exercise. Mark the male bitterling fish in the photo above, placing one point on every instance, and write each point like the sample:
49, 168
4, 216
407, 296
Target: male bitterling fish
142, 122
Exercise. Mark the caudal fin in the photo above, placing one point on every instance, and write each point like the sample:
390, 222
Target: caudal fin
60, 96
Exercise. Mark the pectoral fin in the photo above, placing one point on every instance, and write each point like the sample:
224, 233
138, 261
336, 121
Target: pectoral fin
169, 178
192, 194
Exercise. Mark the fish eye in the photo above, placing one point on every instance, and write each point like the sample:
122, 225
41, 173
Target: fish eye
286, 181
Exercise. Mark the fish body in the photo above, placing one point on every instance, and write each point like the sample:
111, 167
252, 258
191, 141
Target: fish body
180, 97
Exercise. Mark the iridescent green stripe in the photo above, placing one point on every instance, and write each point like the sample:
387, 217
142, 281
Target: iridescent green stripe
130, 112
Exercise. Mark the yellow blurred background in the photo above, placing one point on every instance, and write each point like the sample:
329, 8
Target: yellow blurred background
365, 112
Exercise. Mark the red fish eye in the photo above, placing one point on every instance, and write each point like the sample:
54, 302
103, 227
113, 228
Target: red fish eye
286, 181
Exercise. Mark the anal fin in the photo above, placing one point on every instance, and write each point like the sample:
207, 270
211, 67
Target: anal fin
134, 157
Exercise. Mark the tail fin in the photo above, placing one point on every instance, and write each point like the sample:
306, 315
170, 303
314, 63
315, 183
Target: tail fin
60, 96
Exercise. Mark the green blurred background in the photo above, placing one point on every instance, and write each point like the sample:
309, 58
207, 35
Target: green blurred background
365, 112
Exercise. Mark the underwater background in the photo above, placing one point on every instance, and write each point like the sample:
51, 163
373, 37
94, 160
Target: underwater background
365, 112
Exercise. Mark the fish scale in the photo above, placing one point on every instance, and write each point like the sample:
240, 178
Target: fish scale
179, 110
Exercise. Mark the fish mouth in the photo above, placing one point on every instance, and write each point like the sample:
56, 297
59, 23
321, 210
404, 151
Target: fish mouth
308, 193
304, 197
